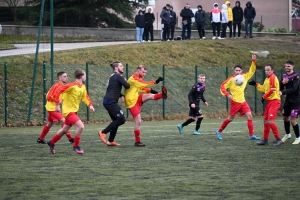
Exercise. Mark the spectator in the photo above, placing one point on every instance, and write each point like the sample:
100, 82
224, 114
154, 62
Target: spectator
230, 18
173, 22
224, 21
140, 25
187, 15
238, 16
165, 21
149, 18
249, 15
144, 12
215, 18
200, 18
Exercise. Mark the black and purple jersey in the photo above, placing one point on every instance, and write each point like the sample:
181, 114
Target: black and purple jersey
291, 89
196, 94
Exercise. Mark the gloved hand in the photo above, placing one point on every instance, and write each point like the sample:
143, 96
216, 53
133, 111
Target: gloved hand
153, 91
159, 80
252, 83
262, 100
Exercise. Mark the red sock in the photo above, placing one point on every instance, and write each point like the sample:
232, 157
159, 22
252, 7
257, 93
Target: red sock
224, 124
76, 141
250, 127
266, 131
55, 139
69, 136
275, 131
158, 96
137, 134
44, 132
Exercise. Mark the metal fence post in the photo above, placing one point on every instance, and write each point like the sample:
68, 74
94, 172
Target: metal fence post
255, 96
44, 91
227, 102
127, 79
87, 89
196, 72
164, 107
5, 94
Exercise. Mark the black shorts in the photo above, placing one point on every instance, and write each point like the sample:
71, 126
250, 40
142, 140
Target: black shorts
114, 110
290, 109
195, 112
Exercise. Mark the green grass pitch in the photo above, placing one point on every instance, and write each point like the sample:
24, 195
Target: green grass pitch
171, 166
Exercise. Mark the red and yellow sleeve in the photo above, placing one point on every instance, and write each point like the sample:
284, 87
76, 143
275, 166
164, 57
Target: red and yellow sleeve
60, 90
224, 86
272, 86
86, 99
140, 83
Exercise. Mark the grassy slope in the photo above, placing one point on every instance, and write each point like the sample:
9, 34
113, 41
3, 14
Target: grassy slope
179, 56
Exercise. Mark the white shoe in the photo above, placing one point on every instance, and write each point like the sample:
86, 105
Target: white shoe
220, 38
148, 41
204, 38
214, 37
143, 41
297, 141
168, 40
287, 136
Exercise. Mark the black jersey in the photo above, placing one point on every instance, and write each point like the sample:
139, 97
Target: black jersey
114, 87
196, 94
291, 89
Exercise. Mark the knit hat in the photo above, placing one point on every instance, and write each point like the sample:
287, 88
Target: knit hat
199, 6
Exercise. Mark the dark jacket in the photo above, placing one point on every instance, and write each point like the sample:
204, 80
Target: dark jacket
291, 89
249, 12
149, 17
237, 12
200, 17
173, 18
140, 21
165, 16
196, 94
187, 14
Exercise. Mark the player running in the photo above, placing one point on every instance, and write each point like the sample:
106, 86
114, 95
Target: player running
134, 100
238, 103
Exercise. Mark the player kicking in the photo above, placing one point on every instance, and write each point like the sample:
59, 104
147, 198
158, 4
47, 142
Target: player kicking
194, 96
238, 103
134, 100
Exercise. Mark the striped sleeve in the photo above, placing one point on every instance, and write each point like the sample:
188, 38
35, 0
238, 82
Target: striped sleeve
86, 99
272, 86
224, 86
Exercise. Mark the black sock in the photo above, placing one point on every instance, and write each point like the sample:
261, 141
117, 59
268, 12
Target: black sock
296, 130
112, 135
198, 123
187, 122
287, 127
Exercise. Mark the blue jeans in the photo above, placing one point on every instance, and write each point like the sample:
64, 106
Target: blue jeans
187, 27
139, 34
250, 23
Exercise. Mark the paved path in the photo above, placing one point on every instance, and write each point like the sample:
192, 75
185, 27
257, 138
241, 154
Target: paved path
22, 49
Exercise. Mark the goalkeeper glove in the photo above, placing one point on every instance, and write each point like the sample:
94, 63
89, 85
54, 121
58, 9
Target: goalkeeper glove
153, 91
252, 83
159, 80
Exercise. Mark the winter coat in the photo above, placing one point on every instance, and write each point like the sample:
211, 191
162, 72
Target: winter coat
238, 13
229, 11
200, 17
187, 14
149, 17
140, 21
173, 18
215, 15
224, 14
165, 16
249, 12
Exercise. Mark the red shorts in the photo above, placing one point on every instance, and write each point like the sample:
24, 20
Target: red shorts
271, 109
241, 108
71, 118
54, 116
136, 109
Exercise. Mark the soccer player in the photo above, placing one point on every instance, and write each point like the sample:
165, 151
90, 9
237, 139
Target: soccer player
73, 94
289, 86
134, 100
238, 104
270, 88
194, 96
110, 103
53, 115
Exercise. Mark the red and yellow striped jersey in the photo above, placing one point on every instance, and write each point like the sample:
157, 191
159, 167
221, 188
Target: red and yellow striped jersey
50, 105
270, 82
72, 94
237, 92
136, 85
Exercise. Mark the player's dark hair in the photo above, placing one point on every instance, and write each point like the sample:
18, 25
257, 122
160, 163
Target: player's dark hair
238, 66
114, 65
168, 5
289, 62
60, 73
78, 73
142, 67
272, 67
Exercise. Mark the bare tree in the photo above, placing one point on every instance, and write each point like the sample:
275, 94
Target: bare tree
13, 4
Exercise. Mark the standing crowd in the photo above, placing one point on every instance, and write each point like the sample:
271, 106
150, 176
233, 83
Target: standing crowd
221, 20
